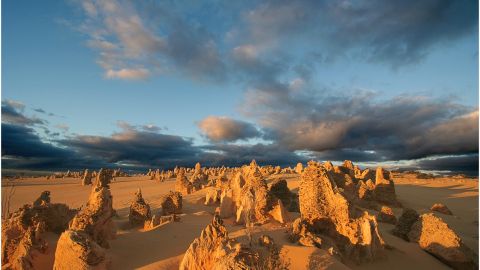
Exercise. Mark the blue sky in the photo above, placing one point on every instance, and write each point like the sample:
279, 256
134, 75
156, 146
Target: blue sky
248, 75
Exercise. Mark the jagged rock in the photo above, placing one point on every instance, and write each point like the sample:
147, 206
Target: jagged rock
198, 168
365, 190
405, 222
172, 203
82, 246
365, 174
212, 195
279, 213
318, 201
349, 165
87, 178
386, 215
96, 218
20, 256
76, 250
139, 210
22, 231
254, 195
441, 208
182, 184
434, 236
214, 250
207, 248
384, 188
327, 211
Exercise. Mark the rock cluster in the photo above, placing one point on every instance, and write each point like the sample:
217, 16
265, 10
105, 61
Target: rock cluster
199, 179
139, 210
22, 231
327, 213
84, 243
182, 184
213, 249
172, 203
252, 198
365, 188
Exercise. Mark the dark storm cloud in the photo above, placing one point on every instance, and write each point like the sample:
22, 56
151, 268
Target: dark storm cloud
218, 129
134, 147
467, 164
12, 113
22, 148
396, 32
152, 149
407, 127
22, 141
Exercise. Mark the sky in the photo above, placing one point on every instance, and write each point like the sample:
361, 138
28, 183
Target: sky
154, 84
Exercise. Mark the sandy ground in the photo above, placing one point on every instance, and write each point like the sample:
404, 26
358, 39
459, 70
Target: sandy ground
164, 246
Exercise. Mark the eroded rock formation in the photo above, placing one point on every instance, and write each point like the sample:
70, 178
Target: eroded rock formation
83, 244
182, 184
327, 212
434, 236
139, 210
22, 231
172, 203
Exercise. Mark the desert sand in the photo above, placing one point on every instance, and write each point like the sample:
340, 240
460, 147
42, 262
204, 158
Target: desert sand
163, 247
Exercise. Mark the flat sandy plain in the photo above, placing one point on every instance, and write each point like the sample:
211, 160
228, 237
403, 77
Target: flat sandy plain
163, 247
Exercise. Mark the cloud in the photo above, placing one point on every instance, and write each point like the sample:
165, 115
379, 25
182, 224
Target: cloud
39, 110
299, 124
12, 113
16, 105
22, 148
153, 36
219, 129
467, 164
151, 128
220, 41
127, 74
393, 32
134, 146
404, 127
238, 155
63, 127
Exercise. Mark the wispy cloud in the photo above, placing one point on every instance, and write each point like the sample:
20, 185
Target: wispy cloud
127, 74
